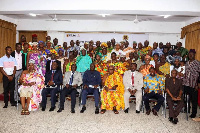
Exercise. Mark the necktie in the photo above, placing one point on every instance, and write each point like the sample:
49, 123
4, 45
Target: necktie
132, 80
52, 75
71, 79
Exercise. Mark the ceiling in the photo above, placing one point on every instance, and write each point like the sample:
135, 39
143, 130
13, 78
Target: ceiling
111, 17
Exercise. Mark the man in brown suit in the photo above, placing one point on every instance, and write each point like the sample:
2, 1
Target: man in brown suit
174, 90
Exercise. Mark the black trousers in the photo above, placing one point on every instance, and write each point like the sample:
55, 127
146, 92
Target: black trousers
8, 86
45, 92
193, 96
68, 91
159, 97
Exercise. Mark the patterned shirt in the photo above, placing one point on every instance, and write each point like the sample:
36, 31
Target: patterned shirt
153, 83
191, 73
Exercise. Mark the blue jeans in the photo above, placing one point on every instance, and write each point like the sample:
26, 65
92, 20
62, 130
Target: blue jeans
90, 90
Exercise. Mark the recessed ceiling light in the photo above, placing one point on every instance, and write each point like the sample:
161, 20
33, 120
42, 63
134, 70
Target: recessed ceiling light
32, 14
165, 16
104, 15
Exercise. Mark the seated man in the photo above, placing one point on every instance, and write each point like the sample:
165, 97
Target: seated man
153, 86
91, 83
174, 90
133, 83
71, 81
112, 95
53, 80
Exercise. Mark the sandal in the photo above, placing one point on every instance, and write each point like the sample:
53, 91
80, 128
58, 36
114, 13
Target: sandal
103, 111
27, 112
115, 111
23, 112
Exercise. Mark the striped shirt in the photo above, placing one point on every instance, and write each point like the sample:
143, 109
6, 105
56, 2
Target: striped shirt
191, 73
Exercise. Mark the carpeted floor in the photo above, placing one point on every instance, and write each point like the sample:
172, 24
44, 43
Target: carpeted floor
52, 122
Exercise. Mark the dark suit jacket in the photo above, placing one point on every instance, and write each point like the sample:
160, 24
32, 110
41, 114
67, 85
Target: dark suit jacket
48, 65
23, 59
57, 78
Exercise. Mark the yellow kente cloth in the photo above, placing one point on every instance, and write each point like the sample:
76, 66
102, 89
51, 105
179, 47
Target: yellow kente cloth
113, 98
165, 68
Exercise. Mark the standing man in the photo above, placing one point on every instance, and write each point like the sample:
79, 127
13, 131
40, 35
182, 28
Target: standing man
91, 83
34, 38
8, 69
133, 83
71, 81
20, 58
153, 86
190, 80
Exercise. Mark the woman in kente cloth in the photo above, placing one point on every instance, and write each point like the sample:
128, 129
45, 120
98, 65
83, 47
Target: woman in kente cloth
40, 62
99, 65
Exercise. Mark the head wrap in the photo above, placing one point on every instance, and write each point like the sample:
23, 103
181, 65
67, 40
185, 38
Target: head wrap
34, 35
100, 54
33, 43
134, 42
192, 51
40, 42
31, 61
60, 49
103, 44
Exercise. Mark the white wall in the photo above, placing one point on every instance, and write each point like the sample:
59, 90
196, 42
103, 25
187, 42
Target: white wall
158, 31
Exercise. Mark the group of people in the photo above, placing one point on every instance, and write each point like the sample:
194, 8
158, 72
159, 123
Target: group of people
111, 71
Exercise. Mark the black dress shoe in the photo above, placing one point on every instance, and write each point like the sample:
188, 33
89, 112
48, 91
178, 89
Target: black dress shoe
52, 109
97, 111
192, 116
170, 119
148, 112
72, 111
83, 109
60, 110
126, 110
5, 106
175, 121
137, 112
43, 109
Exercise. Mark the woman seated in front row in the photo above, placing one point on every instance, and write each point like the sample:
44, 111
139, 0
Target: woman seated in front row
32, 84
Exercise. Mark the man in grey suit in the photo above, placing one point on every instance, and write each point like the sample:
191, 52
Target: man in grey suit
133, 83
71, 81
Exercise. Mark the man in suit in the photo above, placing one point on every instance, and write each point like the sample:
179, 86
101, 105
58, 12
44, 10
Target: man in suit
53, 80
20, 58
71, 81
133, 83
91, 83
49, 63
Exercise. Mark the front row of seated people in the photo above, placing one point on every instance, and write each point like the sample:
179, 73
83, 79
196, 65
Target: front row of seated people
114, 95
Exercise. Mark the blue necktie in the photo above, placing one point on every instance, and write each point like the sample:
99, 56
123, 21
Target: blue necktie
71, 79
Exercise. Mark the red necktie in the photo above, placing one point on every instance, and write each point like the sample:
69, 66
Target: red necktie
132, 80
52, 75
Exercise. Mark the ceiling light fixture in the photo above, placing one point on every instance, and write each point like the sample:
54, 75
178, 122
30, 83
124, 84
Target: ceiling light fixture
104, 15
32, 14
165, 16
